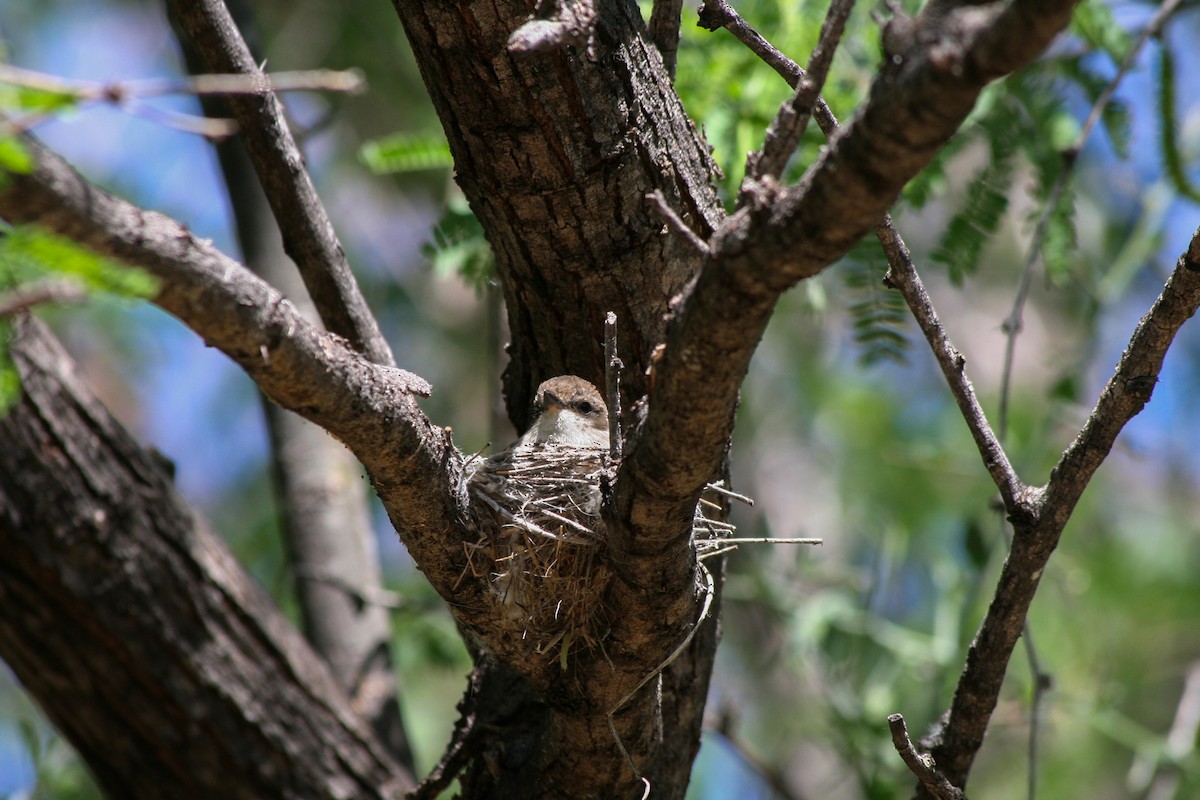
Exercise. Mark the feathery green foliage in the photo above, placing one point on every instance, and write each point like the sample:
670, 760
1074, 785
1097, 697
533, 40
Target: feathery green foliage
404, 152
29, 254
879, 317
1173, 159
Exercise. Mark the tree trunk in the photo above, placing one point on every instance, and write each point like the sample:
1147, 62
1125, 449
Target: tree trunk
145, 642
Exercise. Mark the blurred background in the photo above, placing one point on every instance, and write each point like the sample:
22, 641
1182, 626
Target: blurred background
846, 430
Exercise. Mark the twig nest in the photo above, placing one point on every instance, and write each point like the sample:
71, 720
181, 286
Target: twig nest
541, 542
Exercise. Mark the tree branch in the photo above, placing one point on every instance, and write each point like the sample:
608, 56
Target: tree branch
372, 409
921, 766
788, 127
324, 514
915, 105
309, 237
1036, 536
143, 639
665, 19
902, 275
1015, 320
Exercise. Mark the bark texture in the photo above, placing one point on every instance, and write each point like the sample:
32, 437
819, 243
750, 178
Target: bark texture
557, 150
144, 641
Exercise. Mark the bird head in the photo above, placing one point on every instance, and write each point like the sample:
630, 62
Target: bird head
568, 411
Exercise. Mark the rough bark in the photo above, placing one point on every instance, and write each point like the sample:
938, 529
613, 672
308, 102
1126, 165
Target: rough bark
325, 520
308, 234
144, 641
556, 151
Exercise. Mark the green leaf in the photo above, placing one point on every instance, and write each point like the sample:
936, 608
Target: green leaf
14, 157
16, 100
459, 246
980, 216
1173, 160
404, 152
879, 318
28, 253
1059, 242
1093, 22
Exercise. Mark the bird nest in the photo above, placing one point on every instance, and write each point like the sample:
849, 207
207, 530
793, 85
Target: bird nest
541, 543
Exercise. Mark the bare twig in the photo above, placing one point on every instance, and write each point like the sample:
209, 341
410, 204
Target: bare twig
921, 766
674, 221
612, 385
310, 239
322, 80
665, 18
1037, 534
366, 596
755, 257
789, 124
902, 275
128, 94
1015, 320
1160, 776
770, 774
54, 290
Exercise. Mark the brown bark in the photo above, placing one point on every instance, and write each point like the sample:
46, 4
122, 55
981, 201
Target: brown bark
556, 151
144, 641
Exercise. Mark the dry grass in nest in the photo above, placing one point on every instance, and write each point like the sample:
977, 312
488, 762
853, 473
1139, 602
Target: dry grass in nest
541, 542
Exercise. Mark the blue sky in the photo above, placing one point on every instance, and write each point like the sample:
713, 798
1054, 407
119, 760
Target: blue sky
192, 398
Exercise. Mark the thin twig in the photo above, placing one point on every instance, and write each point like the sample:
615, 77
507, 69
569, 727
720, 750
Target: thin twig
1015, 320
612, 385
376, 596
902, 275
325, 80
665, 18
1036, 536
1162, 777
921, 766
719, 488
54, 290
127, 94
719, 14
1041, 682
311, 241
673, 220
771, 540
769, 773
789, 124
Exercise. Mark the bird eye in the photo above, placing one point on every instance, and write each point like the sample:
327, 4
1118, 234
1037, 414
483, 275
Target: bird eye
585, 407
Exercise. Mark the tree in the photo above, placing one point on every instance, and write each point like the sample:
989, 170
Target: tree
597, 195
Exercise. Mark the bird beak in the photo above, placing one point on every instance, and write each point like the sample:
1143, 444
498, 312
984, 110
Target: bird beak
551, 401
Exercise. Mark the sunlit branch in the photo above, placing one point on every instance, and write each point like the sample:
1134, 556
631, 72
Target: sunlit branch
310, 239
788, 127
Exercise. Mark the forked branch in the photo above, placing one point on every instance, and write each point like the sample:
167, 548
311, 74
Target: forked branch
309, 238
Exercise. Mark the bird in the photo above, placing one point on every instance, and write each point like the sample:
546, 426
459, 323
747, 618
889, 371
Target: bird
536, 506
567, 412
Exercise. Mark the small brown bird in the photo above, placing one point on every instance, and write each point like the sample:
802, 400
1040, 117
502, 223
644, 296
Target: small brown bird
537, 511
568, 412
